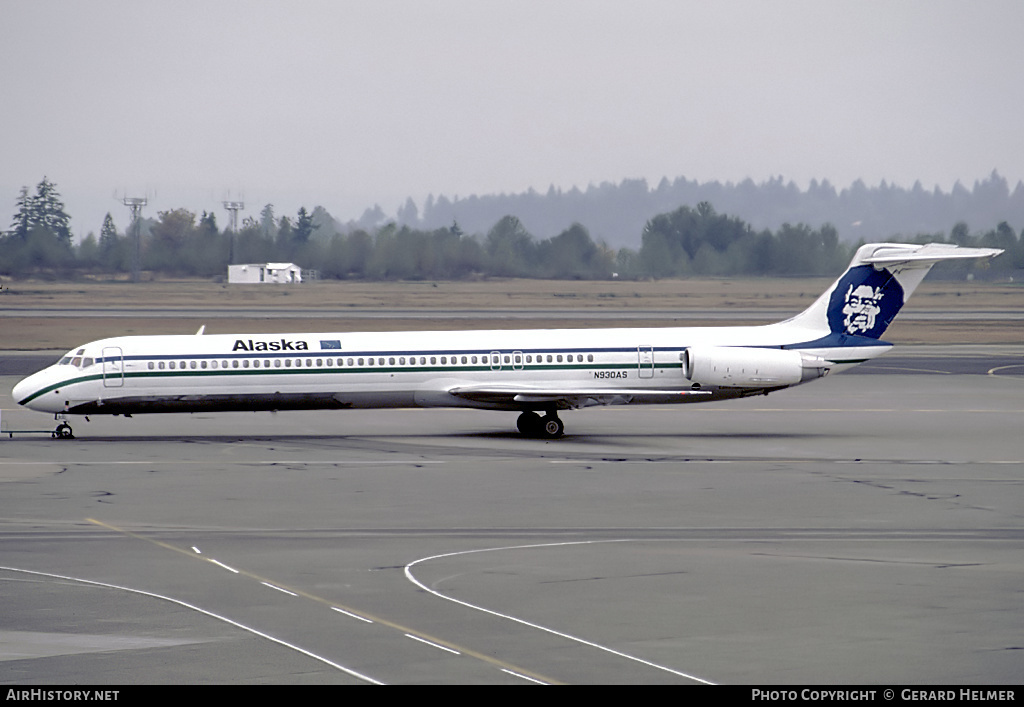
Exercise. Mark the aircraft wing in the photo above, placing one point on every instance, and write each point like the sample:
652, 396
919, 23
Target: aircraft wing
572, 396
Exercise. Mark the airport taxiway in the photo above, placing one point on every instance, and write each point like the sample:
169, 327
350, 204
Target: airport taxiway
866, 528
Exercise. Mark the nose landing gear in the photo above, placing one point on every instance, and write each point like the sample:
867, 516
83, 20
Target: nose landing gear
63, 430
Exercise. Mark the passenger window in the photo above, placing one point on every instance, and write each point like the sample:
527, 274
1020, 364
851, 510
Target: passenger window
559, 358
192, 365
391, 361
152, 365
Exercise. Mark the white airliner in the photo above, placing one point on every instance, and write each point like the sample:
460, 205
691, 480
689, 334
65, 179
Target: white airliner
530, 372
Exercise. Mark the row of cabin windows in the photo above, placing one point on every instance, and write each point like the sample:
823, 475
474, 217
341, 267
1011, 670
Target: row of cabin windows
492, 360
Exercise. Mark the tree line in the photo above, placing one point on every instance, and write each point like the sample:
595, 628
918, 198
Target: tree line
686, 241
617, 212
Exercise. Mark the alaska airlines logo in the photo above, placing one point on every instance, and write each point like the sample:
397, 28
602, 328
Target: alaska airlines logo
864, 302
282, 345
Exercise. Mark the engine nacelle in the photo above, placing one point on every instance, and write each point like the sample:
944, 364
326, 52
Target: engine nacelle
739, 367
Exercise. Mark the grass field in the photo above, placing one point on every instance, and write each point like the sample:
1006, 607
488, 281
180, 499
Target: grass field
365, 306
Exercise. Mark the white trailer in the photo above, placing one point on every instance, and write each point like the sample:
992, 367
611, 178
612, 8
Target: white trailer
264, 272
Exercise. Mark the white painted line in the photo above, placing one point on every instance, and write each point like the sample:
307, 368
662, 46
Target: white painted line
606, 649
280, 589
196, 550
221, 564
524, 677
234, 623
431, 643
354, 616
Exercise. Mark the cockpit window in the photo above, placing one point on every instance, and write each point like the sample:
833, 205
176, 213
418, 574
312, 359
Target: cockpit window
86, 362
77, 361
64, 361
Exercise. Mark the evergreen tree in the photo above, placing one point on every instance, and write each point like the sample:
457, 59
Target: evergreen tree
22, 223
47, 212
208, 225
304, 227
108, 234
112, 250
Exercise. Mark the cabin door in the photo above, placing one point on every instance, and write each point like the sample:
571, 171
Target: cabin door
645, 361
113, 367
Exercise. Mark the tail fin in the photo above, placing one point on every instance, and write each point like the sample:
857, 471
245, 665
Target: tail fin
880, 279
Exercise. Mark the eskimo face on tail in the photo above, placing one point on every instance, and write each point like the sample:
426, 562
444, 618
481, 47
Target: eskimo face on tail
864, 301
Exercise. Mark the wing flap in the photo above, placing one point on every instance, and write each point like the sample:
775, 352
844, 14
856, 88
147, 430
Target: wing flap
531, 394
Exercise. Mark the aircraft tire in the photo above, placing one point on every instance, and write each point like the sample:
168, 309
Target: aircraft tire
529, 424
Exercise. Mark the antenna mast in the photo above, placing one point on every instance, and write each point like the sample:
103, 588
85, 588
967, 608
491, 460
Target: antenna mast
234, 207
135, 205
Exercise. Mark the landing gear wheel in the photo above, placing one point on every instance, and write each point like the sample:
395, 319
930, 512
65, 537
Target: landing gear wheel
63, 431
551, 427
529, 424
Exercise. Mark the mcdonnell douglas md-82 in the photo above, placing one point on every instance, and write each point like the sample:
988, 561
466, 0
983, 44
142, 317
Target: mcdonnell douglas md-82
537, 373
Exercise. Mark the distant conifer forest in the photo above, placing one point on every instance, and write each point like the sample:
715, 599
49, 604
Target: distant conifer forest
686, 232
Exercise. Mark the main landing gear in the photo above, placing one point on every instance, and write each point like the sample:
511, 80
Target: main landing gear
531, 424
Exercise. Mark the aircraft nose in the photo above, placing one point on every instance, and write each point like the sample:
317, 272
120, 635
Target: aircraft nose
20, 390
25, 388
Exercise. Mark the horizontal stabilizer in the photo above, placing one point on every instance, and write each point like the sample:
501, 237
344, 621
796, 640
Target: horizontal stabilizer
896, 253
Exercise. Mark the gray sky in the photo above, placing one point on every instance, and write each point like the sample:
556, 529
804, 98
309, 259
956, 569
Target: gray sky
350, 103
